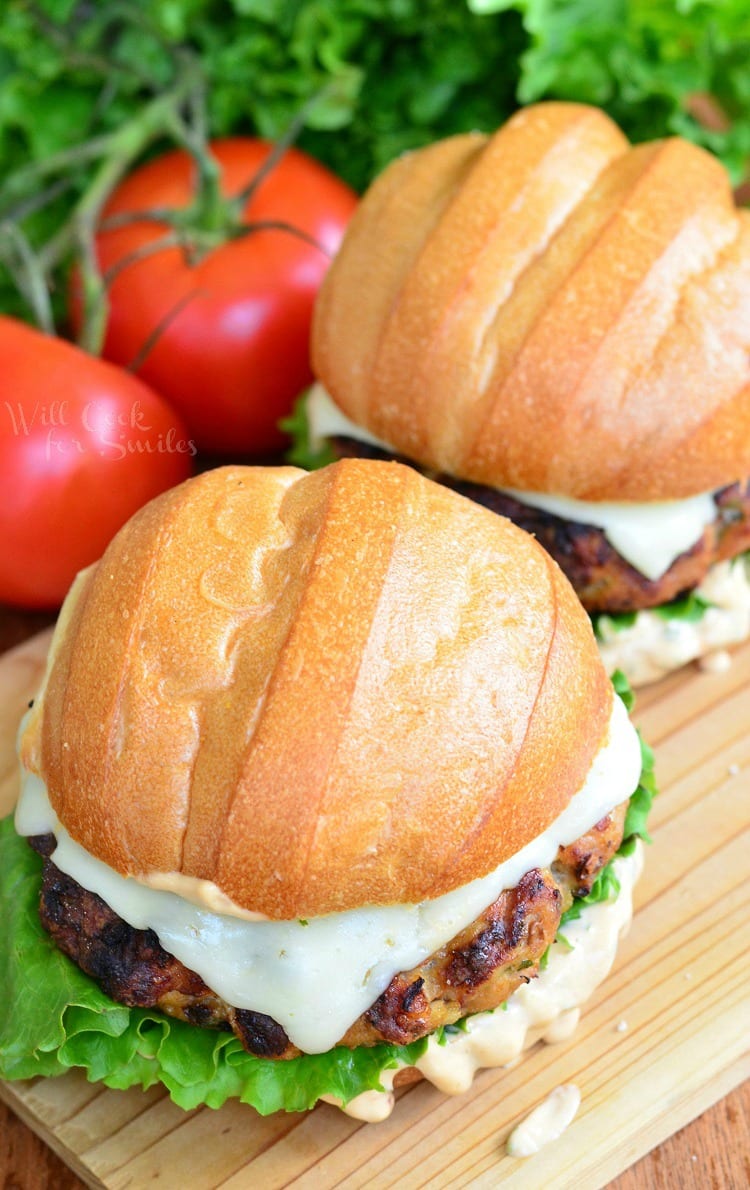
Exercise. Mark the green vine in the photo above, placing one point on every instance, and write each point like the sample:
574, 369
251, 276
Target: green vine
35, 269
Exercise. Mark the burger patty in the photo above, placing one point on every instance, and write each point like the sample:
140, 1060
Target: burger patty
477, 970
604, 581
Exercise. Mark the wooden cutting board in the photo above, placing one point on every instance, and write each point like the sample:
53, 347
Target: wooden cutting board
666, 1036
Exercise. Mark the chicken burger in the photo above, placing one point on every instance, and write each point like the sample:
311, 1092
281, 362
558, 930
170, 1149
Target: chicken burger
319, 765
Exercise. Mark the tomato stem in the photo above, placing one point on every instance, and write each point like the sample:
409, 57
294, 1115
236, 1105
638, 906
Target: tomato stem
153, 338
20, 259
171, 239
166, 215
63, 162
279, 148
247, 229
79, 232
209, 212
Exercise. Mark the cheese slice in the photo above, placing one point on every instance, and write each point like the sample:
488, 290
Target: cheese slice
326, 420
648, 536
316, 977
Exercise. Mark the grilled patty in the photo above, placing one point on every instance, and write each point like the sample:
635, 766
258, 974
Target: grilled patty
604, 581
477, 970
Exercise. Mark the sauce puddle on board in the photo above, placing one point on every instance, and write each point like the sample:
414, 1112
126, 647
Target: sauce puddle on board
546, 1122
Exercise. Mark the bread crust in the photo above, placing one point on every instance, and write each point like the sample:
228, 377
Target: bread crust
318, 691
549, 309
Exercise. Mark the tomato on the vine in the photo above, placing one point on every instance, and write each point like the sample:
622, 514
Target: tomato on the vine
224, 331
82, 446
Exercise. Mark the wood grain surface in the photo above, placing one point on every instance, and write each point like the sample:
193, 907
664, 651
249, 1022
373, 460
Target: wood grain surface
681, 984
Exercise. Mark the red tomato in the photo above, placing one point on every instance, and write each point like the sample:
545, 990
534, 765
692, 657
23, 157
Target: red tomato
234, 351
82, 446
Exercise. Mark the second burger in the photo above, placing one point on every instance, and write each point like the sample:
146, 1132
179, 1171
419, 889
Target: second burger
558, 324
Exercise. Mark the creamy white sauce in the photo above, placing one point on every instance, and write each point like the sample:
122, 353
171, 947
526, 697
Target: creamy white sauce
545, 1123
545, 1009
653, 646
282, 968
715, 663
649, 536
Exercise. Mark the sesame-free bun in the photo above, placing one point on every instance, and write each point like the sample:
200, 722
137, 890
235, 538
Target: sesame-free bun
318, 691
548, 309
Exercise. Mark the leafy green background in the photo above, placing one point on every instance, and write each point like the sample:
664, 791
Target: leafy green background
389, 75
405, 71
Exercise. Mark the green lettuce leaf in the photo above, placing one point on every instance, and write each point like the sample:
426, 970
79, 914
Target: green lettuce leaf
55, 1018
691, 607
303, 452
623, 689
645, 62
641, 801
606, 886
618, 620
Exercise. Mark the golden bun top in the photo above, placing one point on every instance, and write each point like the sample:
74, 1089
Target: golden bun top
548, 309
319, 691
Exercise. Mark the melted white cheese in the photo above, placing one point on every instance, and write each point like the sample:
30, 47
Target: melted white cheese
649, 536
326, 420
545, 1009
652, 646
282, 968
